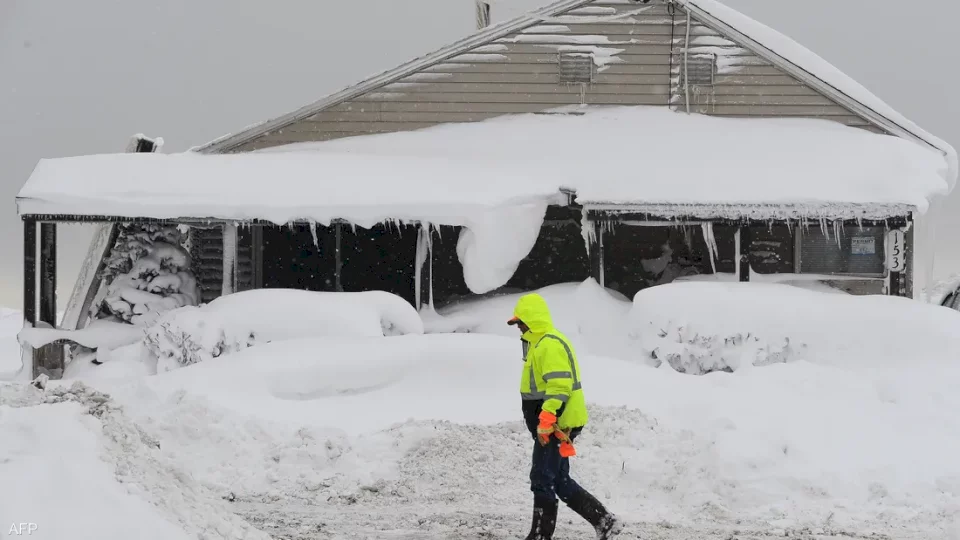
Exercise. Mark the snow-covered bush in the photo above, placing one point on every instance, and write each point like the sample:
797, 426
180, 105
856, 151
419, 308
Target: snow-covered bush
695, 353
189, 335
147, 273
234, 322
704, 327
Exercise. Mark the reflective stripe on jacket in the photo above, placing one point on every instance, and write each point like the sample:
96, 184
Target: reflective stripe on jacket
550, 373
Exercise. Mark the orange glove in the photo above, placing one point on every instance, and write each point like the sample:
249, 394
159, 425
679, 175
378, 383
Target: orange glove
566, 445
548, 422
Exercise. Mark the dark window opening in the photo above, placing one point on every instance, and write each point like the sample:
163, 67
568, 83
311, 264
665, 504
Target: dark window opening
772, 249
858, 251
636, 257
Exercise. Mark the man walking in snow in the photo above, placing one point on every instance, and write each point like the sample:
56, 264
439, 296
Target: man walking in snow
555, 413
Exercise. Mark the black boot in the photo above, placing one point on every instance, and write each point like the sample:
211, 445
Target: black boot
544, 520
589, 508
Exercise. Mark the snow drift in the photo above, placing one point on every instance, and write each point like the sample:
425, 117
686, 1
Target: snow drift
358, 428
237, 321
701, 327
387, 423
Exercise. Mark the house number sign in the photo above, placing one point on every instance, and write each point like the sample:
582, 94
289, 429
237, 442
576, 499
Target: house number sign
896, 251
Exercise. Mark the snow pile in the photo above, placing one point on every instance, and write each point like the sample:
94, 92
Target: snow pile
812, 282
424, 425
420, 433
237, 321
77, 457
703, 327
147, 273
592, 317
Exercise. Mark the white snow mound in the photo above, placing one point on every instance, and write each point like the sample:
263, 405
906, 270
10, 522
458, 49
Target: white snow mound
699, 327
78, 468
234, 322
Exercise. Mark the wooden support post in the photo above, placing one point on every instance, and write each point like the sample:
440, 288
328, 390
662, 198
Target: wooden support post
30, 271
339, 261
50, 357
429, 272
29, 355
48, 273
743, 248
256, 254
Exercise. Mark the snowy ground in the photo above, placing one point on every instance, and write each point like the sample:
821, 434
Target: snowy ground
418, 436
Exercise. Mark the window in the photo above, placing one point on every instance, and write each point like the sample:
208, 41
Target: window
858, 251
700, 69
576, 68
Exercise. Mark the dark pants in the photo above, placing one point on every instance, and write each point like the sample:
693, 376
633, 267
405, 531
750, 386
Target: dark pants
550, 473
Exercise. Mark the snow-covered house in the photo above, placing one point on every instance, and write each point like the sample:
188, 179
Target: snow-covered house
635, 141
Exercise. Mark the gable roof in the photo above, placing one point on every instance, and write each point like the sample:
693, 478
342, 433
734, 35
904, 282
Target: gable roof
762, 40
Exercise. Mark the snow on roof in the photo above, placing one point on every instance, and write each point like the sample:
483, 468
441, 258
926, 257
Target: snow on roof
809, 67
445, 174
761, 39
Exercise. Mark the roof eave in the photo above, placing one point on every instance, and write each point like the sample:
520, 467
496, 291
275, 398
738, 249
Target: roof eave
232, 141
800, 211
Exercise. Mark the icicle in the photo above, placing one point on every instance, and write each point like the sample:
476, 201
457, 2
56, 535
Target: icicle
838, 232
711, 241
423, 232
687, 236
588, 232
313, 232
824, 228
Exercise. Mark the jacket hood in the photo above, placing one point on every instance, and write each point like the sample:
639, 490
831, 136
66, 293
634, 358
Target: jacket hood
533, 311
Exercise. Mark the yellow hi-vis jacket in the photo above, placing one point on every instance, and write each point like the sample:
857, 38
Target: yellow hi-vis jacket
550, 369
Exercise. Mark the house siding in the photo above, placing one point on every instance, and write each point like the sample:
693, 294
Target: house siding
746, 85
639, 49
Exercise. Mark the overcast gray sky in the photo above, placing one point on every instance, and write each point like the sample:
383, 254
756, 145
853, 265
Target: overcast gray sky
81, 77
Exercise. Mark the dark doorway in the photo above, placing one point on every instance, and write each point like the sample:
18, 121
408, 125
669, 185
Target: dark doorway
381, 258
299, 257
